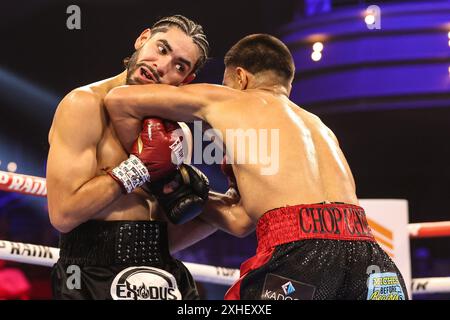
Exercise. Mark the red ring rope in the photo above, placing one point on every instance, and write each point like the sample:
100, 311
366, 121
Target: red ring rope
13, 182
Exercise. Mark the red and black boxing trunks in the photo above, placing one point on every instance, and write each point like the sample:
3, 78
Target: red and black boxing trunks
317, 252
120, 260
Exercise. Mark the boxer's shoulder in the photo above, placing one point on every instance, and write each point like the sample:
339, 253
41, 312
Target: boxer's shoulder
80, 109
81, 101
212, 93
84, 95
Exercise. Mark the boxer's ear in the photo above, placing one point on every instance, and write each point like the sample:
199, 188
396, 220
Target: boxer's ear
289, 88
143, 37
242, 78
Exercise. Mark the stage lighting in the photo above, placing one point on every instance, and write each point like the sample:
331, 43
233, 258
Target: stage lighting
318, 46
316, 56
12, 167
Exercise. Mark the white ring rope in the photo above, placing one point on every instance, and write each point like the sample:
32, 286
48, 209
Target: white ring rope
431, 285
47, 256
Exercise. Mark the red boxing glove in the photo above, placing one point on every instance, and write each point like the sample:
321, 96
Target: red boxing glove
159, 147
158, 150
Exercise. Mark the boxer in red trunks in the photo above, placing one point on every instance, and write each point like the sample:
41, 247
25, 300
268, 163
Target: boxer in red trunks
313, 238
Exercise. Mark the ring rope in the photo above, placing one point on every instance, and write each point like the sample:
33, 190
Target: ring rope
20, 183
429, 229
48, 256
24, 184
430, 285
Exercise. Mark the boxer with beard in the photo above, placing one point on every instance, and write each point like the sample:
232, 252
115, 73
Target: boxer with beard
112, 230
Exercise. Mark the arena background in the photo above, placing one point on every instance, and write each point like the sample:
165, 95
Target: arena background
383, 91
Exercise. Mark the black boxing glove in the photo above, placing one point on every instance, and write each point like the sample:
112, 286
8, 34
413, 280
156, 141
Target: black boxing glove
182, 194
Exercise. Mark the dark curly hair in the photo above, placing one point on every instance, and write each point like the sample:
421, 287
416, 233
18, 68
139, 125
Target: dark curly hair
190, 28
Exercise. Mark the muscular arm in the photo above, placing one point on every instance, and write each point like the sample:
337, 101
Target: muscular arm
185, 235
75, 191
128, 105
226, 212
222, 211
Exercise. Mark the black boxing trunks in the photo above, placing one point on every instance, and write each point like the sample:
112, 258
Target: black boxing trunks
120, 260
317, 252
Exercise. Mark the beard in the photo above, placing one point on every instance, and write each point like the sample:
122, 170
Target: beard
132, 66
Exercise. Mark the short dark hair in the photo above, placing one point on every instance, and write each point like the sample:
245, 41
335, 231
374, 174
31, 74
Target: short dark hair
190, 28
261, 52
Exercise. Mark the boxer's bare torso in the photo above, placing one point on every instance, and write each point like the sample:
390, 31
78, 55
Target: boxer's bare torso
83, 145
311, 166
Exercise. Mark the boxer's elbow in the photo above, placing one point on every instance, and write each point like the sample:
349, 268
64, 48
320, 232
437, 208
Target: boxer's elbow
62, 220
61, 224
116, 102
242, 233
241, 224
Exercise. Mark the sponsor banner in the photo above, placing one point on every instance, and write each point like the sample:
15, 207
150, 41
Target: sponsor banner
388, 219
